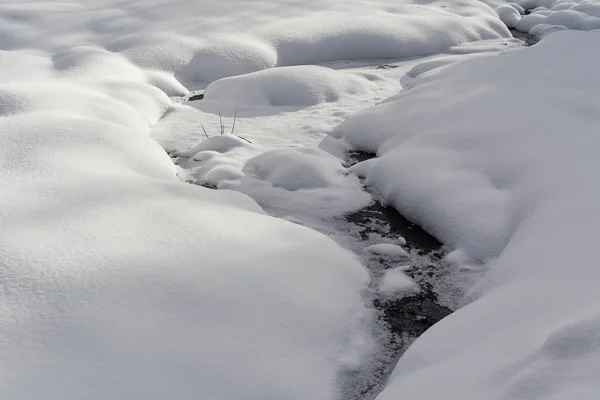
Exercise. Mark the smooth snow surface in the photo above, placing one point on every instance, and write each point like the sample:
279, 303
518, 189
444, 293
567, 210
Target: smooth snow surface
117, 280
202, 41
120, 282
502, 164
300, 86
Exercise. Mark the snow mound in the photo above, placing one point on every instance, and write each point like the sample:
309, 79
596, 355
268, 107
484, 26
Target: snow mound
497, 156
396, 283
297, 168
387, 250
300, 86
509, 15
575, 16
392, 30
542, 17
200, 42
118, 281
223, 57
220, 144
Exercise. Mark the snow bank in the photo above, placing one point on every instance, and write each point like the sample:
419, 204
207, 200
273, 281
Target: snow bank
497, 156
200, 42
117, 280
300, 86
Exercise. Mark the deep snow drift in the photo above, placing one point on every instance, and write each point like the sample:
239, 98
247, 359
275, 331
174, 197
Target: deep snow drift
501, 164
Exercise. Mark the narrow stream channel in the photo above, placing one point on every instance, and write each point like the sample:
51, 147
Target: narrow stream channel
398, 321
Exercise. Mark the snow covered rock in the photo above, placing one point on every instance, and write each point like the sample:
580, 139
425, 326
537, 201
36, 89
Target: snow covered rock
395, 283
387, 250
297, 168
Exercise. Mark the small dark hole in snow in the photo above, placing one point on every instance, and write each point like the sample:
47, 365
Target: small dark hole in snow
196, 97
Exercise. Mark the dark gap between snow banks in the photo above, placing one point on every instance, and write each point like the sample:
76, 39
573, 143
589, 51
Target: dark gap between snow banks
400, 321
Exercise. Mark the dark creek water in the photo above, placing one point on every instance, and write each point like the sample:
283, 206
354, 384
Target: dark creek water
400, 321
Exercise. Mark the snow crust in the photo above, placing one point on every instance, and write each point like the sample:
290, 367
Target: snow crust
504, 170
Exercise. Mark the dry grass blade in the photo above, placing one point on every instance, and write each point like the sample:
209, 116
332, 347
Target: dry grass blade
234, 119
221, 121
203, 129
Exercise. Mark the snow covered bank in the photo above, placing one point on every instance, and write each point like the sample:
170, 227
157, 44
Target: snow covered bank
202, 41
497, 156
118, 281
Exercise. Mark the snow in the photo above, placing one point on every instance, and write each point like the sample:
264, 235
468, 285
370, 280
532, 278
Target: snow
303, 180
546, 16
120, 281
200, 42
296, 168
509, 15
396, 283
387, 250
299, 86
501, 165
219, 144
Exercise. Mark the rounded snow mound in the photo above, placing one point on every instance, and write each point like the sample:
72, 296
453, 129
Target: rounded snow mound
544, 17
227, 57
509, 14
395, 30
221, 144
298, 86
297, 168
